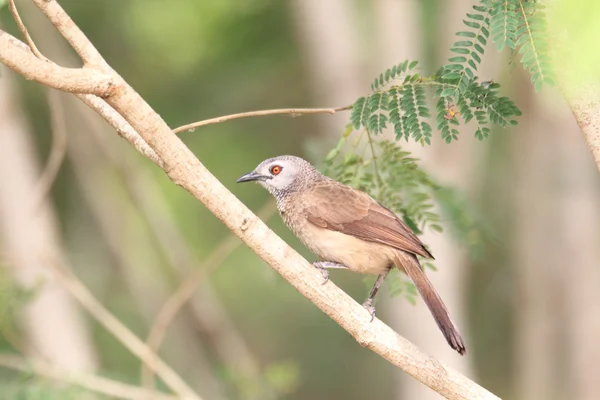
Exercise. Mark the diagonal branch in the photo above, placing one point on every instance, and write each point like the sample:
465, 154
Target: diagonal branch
58, 150
206, 313
13, 9
186, 290
122, 127
184, 169
585, 106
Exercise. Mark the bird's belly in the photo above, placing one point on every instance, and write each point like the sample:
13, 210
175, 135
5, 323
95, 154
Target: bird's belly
356, 254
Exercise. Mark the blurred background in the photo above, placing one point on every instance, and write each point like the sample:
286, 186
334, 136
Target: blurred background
527, 300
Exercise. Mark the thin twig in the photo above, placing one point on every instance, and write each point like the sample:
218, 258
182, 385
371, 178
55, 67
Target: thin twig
13, 9
121, 332
293, 112
187, 287
123, 128
58, 150
90, 382
72, 34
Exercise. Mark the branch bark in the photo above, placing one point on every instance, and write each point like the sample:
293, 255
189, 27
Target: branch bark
122, 127
585, 106
74, 80
184, 169
292, 112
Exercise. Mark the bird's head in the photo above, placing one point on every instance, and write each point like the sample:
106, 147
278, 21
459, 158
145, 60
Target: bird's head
282, 174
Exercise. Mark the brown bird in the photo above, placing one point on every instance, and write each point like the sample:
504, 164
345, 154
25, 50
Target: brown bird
347, 229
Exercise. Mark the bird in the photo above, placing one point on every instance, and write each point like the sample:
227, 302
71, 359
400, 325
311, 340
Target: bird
347, 229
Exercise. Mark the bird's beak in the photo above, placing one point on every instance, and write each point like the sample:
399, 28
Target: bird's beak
252, 176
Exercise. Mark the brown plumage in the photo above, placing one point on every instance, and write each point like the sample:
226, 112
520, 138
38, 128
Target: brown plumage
347, 229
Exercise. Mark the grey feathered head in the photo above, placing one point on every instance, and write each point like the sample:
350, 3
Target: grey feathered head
282, 174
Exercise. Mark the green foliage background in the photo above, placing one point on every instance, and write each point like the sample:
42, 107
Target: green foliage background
203, 59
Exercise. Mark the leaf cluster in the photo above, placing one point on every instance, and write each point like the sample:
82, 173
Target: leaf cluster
517, 24
399, 95
400, 99
521, 25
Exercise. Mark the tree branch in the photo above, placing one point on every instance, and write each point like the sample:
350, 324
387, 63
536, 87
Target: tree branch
185, 170
186, 289
71, 32
58, 150
90, 382
206, 313
16, 56
292, 112
121, 126
13, 9
120, 331
585, 106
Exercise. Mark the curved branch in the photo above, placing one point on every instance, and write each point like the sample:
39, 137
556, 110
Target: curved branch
17, 56
58, 150
187, 171
186, 289
121, 125
15, 12
292, 112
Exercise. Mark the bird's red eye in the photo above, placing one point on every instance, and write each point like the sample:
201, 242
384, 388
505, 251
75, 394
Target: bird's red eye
275, 169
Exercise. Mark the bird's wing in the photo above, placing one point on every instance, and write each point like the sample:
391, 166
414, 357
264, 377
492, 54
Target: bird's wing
332, 205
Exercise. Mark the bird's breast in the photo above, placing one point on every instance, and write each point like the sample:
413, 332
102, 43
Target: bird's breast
356, 254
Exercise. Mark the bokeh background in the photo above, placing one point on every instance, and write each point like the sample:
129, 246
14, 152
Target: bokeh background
526, 294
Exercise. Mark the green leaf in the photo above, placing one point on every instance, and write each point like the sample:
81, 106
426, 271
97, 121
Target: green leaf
460, 50
477, 17
458, 59
360, 113
472, 24
452, 76
463, 43
531, 40
411, 224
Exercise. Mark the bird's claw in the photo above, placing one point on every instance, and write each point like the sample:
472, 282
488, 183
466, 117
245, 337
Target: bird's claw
324, 273
368, 305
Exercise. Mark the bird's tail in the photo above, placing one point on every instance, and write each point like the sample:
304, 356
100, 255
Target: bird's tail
410, 264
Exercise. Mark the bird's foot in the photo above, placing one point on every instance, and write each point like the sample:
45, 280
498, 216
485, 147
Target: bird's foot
323, 266
319, 265
368, 305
